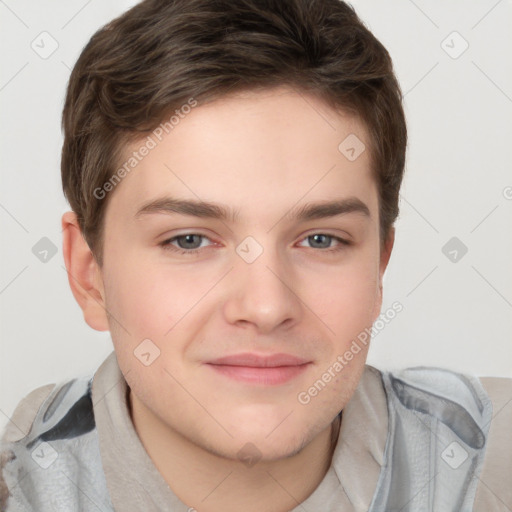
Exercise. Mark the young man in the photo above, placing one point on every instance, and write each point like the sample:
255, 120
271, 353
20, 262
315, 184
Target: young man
233, 169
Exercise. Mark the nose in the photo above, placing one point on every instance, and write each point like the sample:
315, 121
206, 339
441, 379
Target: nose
262, 294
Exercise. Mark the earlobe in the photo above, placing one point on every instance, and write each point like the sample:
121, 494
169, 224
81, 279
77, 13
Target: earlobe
84, 275
384, 260
386, 253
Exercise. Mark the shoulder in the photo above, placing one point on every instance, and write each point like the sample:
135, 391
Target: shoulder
445, 384
418, 387
22, 418
58, 406
18, 427
45, 421
434, 396
460, 401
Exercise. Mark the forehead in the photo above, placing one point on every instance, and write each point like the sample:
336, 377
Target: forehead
255, 151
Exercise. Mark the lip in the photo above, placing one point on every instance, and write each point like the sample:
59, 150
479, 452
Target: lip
259, 360
260, 369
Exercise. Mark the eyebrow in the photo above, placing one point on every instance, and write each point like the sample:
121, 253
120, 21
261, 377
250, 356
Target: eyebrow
206, 209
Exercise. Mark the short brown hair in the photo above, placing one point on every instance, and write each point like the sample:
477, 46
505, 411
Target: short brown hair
156, 56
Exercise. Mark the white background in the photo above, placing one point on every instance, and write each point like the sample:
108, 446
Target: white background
456, 314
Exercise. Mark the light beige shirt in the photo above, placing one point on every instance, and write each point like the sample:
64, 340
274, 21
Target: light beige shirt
136, 485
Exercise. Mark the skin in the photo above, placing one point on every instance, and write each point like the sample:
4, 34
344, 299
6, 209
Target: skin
263, 153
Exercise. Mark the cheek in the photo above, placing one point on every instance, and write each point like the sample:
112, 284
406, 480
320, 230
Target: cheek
137, 298
345, 297
149, 299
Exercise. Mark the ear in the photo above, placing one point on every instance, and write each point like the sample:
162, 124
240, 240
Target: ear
84, 274
385, 255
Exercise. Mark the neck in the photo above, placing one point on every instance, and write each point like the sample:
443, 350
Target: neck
210, 483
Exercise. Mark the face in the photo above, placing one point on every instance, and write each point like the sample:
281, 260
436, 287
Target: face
279, 294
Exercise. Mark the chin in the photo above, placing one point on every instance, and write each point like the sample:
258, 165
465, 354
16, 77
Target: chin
275, 441
250, 450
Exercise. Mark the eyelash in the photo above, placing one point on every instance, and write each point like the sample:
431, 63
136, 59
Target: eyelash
166, 244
